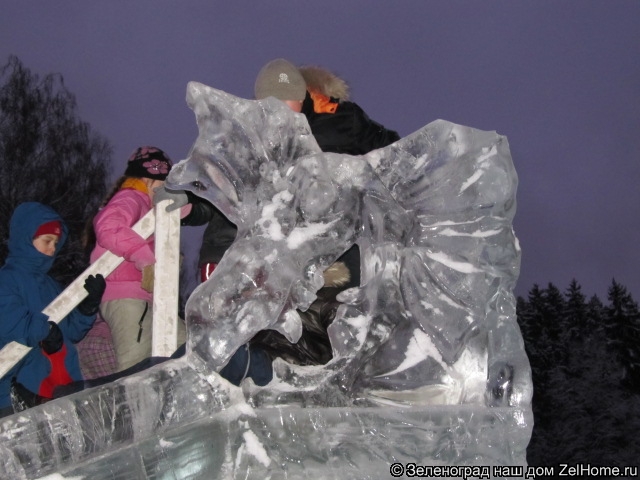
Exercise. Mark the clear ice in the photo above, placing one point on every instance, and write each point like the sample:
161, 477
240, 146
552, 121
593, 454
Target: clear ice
428, 362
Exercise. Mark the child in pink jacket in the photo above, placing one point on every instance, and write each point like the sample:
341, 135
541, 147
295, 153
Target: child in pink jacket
127, 303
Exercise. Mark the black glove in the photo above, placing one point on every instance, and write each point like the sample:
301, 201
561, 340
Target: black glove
54, 340
95, 285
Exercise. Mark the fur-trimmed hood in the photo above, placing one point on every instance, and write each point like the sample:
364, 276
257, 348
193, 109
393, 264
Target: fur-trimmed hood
325, 82
336, 275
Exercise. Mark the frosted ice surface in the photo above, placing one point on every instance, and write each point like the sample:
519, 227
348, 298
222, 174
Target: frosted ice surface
428, 361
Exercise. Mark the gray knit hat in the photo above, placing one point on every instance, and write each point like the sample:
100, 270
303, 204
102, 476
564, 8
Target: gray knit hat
280, 79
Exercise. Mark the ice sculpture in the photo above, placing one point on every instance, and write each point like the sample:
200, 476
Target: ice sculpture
428, 367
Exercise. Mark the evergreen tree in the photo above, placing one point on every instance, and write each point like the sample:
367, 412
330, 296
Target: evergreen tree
576, 335
623, 333
553, 308
529, 315
49, 155
555, 324
575, 313
594, 315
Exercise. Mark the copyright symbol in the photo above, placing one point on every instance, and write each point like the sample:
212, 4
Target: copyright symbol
396, 469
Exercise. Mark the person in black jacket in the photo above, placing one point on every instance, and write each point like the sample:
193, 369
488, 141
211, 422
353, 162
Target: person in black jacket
339, 126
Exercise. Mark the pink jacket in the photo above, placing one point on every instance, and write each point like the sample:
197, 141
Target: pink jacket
113, 233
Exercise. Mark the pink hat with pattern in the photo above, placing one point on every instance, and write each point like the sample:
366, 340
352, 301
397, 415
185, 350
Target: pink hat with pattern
148, 162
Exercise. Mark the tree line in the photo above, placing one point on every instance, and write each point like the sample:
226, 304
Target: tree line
585, 362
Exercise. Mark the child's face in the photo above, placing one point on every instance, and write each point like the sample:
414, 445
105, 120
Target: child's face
46, 243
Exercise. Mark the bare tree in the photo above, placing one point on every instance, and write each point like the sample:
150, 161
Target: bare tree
49, 155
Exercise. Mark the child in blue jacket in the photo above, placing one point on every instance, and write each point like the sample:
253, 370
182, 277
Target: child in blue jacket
36, 235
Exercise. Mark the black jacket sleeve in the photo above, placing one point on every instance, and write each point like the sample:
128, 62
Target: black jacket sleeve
216, 239
366, 134
201, 211
348, 130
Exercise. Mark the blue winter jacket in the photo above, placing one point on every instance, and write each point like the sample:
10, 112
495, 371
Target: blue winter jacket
25, 290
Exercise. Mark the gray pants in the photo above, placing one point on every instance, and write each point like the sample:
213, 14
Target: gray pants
131, 329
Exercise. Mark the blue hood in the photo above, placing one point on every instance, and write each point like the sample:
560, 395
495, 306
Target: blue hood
26, 219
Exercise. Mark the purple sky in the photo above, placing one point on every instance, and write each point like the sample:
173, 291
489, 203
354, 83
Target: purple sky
560, 79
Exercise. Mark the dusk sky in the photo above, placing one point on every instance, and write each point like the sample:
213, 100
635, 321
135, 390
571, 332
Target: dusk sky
560, 79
